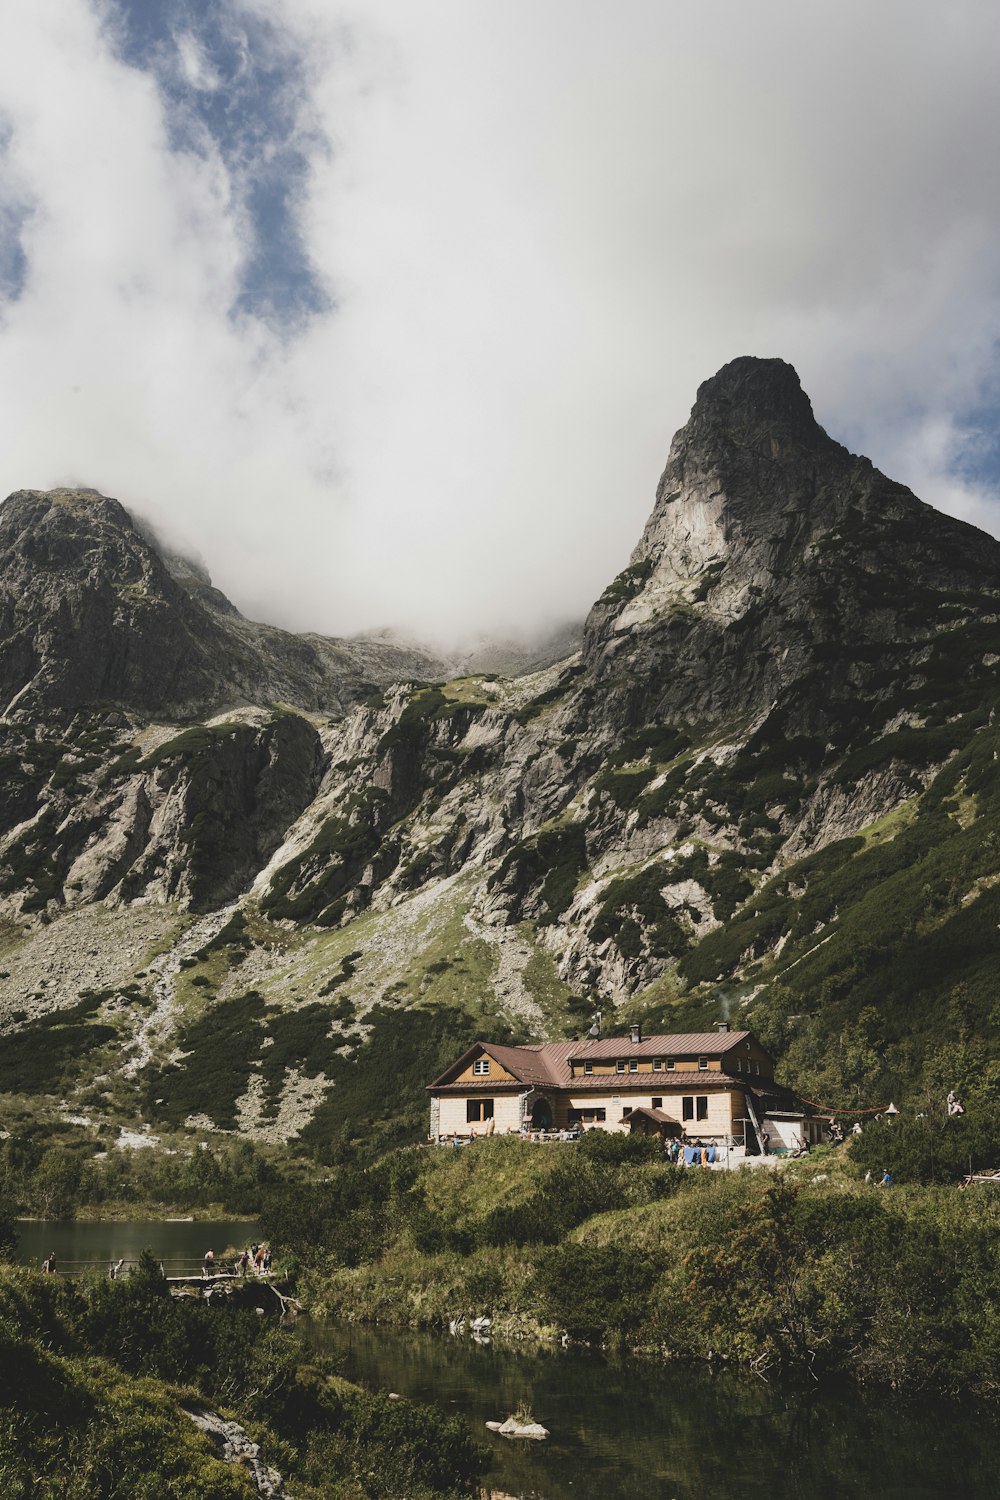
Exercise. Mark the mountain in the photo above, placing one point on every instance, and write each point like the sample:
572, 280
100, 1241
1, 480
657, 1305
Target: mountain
765, 783
94, 614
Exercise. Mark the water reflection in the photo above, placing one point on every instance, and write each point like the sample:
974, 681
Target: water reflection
675, 1433
81, 1245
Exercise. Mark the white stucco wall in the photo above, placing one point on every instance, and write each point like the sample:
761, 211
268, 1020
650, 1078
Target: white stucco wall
506, 1116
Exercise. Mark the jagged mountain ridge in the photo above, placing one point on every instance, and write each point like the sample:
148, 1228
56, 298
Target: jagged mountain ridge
766, 711
93, 613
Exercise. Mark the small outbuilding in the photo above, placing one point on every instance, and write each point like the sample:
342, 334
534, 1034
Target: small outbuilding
648, 1121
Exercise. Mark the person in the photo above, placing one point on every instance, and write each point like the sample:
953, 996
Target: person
116, 1269
49, 1264
886, 1179
955, 1105
857, 1128
208, 1264
767, 1143
258, 1260
267, 1261
243, 1262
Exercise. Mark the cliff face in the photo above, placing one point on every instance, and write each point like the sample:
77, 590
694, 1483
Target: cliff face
782, 706
773, 552
92, 615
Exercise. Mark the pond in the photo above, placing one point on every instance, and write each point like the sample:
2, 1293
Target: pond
621, 1431
82, 1245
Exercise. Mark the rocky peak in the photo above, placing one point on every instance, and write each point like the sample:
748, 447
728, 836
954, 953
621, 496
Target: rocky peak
94, 612
749, 398
769, 539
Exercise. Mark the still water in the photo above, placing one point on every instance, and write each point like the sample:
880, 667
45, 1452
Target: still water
81, 1245
636, 1431
646, 1432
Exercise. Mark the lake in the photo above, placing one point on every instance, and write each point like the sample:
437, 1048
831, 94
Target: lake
80, 1245
620, 1430
642, 1431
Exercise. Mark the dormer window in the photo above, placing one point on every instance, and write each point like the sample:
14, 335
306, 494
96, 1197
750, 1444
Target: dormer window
619, 1066
633, 1065
670, 1065
588, 1067
481, 1065
657, 1064
703, 1063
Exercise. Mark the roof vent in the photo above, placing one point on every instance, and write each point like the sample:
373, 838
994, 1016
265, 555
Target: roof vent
722, 1025
635, 1034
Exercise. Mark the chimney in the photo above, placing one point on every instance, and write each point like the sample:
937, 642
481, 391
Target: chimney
722, 1025
635, 1034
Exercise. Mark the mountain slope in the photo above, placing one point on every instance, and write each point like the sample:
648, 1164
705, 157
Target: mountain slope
765, 781
92, 614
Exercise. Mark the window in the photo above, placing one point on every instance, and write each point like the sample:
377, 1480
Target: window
702, 1103
657, 1103
478, 1109
657, 1064
670, 1065
626, 1111
481, 1065
687, 1107
703, 1062
588, 1067
739, 1065
620, 1066
590, 1115
633, 1065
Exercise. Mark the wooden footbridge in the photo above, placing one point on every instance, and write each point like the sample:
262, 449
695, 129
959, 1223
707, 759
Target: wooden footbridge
185, 1276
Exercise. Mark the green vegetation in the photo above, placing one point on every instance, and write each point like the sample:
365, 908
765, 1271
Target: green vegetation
47, 1055
107, 1371
627, 584
554, 859
814, 1273
55, 1170
327, 869
544, 700
379, 1094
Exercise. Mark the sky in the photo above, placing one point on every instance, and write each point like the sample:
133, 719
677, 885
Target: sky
389, 311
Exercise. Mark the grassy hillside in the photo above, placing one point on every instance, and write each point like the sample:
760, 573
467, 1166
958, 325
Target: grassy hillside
810, 1272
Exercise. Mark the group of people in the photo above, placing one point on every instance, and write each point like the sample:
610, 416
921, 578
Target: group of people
255, 1257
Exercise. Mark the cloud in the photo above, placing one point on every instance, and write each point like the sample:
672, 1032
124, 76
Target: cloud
391, 311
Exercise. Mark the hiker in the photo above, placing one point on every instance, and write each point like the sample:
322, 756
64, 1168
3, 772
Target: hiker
49, 1264
955, 1105
767, 1143
267, 1261
208, 1264
886, 1179
857, 1128
116, 1269
258, 1260
243, 1262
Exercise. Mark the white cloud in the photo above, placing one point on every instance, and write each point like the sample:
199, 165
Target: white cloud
196, 69
542, 226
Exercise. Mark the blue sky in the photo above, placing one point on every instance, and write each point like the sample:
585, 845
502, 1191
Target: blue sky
229, 79
390, 311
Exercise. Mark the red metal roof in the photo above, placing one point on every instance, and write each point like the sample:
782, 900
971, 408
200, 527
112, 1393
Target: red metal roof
547, 1064
674, 1044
